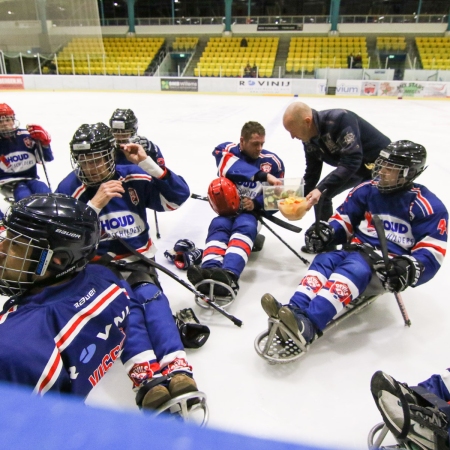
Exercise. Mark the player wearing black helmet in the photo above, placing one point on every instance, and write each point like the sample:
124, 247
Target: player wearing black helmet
121, 197
52, 329
415, 222
124, 126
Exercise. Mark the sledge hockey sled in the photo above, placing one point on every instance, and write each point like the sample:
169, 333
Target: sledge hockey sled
227, 300
184, 408
270, 346
378, 434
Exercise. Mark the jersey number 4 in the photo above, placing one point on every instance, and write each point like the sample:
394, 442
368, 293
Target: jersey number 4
442, 227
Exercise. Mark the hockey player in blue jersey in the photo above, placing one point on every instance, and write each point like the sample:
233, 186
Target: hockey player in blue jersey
124, 126
19, 154
230, 238
418, 416
415, 221
64, 325
337, 137
120, 195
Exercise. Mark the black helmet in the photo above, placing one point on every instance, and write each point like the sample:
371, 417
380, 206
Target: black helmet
41, 227
404, 160
124, 125
92, 154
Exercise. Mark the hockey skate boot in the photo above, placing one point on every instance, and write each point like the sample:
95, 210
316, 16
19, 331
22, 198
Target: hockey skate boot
196, 274
405, 414
181, 384
298, 324
225, 277
155, 397
272, 307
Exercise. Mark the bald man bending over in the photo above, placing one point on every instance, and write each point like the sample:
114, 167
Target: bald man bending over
339, 138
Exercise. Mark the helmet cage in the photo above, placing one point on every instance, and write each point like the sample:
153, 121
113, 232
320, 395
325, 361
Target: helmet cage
95, 168
6, 129
124, 125
19, 268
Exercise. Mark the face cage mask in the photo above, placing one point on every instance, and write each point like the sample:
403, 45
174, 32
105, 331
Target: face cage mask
99, 166
123, 136
16, 271
386, 181
8, 132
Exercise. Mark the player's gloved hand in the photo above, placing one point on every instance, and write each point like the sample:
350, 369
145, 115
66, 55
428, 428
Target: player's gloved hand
316, 241
149, 148
403, 271
39, 134
184, 254
193, 334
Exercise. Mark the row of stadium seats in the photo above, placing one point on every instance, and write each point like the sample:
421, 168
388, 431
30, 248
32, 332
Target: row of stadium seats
434, 52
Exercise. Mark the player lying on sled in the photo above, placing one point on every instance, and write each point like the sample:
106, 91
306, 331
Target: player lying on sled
415, 226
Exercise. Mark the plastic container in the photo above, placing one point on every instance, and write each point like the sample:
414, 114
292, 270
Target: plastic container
292, 187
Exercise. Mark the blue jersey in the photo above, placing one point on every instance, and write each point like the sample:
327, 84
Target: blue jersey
18, 157
126, 217
66, 337
150, 148
415, 223
242, 170
345, 141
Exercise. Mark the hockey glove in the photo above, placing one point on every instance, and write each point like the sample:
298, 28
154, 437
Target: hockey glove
193, 333
317, 242
403, 271
39, 134
184, 254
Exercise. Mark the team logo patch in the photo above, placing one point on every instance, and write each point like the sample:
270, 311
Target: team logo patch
342, 291
28, 142
133, 196
177, 364
349, 138
140, 372
331, 145
312, 282
266, 167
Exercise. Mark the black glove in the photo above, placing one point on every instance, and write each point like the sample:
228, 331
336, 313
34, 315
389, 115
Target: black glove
403, 271
193, 334
184, 254
317, 242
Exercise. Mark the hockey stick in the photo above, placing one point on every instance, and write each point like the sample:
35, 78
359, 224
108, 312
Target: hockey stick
41, 156
206, 299
275, 220
304, 260
318, 211
158, 235
379, 227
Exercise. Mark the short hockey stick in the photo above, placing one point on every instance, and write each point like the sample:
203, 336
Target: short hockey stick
206, 299
304, 260
41, 156
275, 220
379, 227
158, 235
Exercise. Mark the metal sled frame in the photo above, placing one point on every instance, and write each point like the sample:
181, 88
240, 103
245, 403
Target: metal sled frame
277, 351
377, 435
221, 301
179, 406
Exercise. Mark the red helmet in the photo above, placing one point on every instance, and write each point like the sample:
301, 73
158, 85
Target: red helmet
7, 128
5, 110
224, 197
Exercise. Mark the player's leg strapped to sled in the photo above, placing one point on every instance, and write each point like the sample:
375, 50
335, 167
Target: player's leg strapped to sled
165, 383
325, 297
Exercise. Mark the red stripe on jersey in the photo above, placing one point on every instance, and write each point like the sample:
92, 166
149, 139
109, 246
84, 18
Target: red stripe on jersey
240, 244
441, 250
213, 251
223, 163
423, 200
74, 328
126, 255
50, 373
348, 225
77, 194
136, 176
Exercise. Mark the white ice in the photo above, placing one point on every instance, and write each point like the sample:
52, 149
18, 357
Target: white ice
324, 398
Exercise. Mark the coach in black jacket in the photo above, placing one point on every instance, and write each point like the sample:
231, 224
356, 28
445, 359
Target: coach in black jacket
339, 138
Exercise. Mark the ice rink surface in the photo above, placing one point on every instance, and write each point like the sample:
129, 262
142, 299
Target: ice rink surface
324, 398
